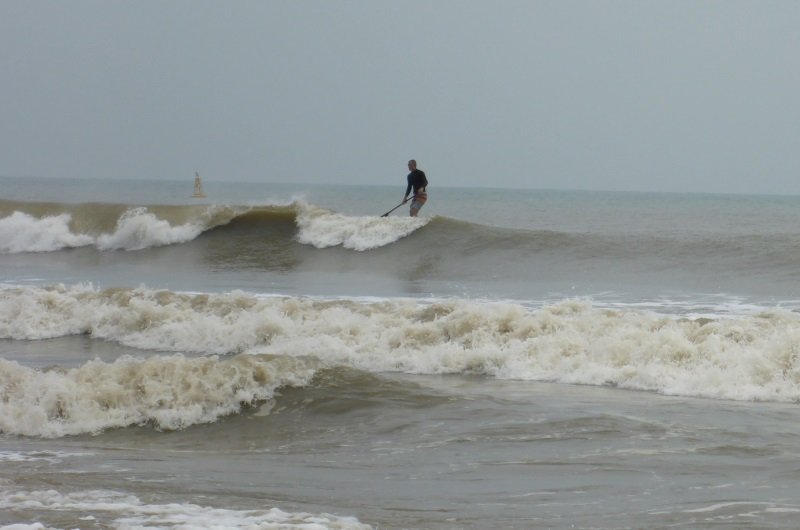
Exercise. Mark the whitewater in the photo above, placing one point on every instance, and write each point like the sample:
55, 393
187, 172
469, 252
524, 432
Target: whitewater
138, 228
280, 356
745, 358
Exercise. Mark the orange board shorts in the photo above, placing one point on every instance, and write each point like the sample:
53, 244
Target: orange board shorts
419, 200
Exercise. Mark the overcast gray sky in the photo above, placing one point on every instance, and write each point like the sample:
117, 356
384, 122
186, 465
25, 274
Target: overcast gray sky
614, 95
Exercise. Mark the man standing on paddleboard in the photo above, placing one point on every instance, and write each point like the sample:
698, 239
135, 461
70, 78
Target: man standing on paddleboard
419, 183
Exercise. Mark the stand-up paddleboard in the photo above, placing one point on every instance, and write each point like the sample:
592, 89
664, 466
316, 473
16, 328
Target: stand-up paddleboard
198, 187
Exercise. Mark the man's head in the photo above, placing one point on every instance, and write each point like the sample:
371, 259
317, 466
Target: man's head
412, 165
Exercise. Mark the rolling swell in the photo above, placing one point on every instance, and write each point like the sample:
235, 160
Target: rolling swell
297, 222
447, 246
306, 237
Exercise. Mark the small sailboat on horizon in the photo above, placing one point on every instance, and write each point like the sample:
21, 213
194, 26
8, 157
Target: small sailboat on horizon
198, 187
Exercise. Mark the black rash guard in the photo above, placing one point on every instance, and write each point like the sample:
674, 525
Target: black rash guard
417, 181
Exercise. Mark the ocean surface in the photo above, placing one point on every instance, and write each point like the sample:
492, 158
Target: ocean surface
280, 356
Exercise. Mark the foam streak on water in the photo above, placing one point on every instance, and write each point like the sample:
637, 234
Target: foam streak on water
121, 510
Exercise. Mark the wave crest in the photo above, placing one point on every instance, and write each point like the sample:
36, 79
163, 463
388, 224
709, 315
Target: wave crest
138, 229
134, 228
53, 227
322, 228
170, 392
749, 357
21, 232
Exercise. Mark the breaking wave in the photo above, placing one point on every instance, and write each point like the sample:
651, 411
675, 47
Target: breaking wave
168, 392
20, 232
45, 227
322, 228
283, 235
269, 342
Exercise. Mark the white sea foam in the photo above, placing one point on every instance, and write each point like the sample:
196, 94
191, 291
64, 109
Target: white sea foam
323, 228
169, 391
122, 510
745, 357
137, 229
52, 457
20, 232
23, 526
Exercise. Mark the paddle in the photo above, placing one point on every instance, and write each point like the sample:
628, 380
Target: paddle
398, 206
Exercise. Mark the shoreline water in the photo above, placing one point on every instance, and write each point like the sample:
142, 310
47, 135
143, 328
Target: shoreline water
476, 454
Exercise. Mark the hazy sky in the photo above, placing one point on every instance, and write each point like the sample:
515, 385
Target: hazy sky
616, 95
